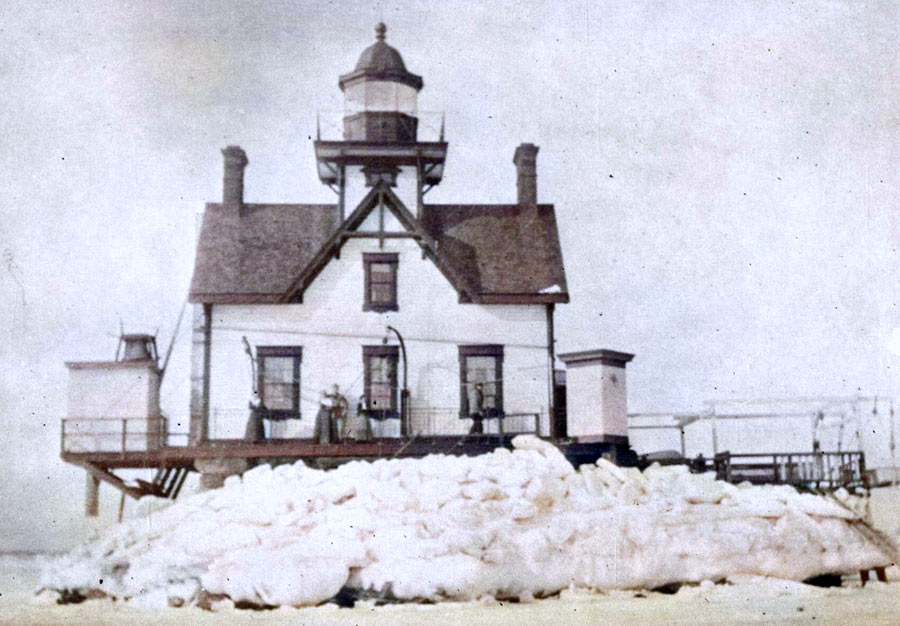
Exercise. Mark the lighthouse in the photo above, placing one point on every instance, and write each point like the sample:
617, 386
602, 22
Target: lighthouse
381, 128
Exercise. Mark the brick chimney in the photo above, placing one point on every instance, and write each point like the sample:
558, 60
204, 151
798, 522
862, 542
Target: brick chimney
235, 160
525, 159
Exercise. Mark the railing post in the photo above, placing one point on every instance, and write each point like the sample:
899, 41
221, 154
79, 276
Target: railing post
124, 432
62, 436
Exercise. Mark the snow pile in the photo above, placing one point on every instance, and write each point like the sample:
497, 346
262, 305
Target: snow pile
507, 524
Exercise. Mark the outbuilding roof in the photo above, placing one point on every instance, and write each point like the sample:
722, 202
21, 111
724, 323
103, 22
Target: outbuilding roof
505, 253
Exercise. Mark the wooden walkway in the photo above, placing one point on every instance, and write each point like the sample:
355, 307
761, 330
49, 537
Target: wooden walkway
804, 470
176, 461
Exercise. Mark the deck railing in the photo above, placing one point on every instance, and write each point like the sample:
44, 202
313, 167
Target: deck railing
447, 421
135, 434
116, 434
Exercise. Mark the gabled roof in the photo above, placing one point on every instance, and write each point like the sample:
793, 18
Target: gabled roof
509, 251
250, 255
380, 194
271, 253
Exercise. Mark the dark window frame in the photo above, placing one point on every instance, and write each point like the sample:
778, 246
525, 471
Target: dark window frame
466, 351
264, 352
390, 258
392, 353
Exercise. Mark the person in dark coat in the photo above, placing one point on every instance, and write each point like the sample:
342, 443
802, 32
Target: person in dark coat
255, 430
339, 407
478, 415
323, 428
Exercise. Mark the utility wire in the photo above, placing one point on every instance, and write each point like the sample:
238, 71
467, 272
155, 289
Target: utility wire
363, 336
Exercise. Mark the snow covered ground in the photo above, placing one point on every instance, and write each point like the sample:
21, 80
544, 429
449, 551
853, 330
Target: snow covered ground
507, 525
744, 602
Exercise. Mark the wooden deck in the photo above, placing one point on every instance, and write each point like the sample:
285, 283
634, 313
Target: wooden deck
168, 459
803, 470
184, 456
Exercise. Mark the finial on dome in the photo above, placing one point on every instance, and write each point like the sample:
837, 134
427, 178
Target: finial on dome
380, 30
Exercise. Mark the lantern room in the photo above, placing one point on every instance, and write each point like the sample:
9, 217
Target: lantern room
380, 96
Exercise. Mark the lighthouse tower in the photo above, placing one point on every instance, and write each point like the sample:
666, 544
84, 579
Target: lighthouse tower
380, 96
380, 127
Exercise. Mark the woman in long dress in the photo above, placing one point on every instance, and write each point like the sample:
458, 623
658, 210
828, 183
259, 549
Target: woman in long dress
323, 427
338, 414
356, 426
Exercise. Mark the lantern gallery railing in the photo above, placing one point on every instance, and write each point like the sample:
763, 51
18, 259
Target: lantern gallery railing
117, 434
332, 125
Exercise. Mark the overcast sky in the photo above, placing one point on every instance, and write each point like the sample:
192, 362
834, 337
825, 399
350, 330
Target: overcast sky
724, 174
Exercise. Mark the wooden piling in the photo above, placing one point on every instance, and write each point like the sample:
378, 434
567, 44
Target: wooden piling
91, 495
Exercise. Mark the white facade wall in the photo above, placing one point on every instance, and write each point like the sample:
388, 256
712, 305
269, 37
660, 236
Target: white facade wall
332, 328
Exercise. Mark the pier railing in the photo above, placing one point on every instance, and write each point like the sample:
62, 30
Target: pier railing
824, 470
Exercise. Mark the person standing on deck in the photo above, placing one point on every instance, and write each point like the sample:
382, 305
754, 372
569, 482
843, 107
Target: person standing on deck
478, 415
339, 406
323, 428
255, 430
356, 425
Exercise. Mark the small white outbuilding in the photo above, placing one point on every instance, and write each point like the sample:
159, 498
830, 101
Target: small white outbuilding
596, 398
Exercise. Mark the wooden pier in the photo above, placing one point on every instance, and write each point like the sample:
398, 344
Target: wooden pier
102, 453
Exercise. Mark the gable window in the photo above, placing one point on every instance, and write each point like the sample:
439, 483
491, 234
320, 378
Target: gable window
481, 381
381, 281
380, 371
279, 380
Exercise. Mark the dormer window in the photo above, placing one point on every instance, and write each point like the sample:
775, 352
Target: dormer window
381, 281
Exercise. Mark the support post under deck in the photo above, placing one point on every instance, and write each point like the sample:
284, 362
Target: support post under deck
91, 495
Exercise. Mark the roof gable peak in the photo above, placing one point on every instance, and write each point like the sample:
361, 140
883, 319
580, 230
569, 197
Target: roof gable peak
380, 197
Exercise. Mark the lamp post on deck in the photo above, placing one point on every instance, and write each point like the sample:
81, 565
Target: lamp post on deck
404, 392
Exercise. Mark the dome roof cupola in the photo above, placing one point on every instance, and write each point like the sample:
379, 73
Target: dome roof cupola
381, 62
380, 96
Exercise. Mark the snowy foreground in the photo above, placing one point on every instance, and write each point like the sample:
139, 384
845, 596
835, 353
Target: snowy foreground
508, 524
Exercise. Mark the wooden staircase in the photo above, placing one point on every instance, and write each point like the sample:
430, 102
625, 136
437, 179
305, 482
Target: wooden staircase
166, 483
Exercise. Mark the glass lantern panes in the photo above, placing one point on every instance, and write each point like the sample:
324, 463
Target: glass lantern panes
378, 95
